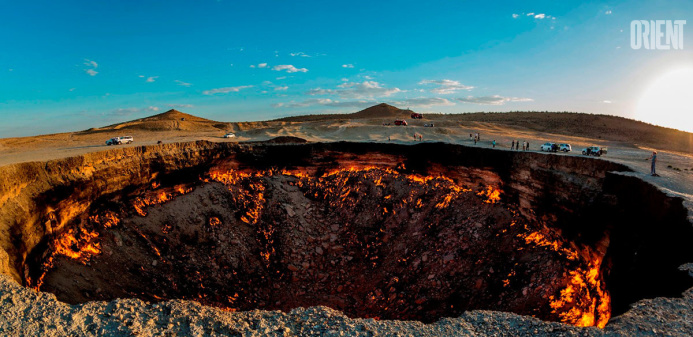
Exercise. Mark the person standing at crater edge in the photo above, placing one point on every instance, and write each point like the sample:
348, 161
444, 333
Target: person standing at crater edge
653, 157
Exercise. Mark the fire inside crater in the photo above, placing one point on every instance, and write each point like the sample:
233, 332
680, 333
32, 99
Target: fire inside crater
374, 230
370, 241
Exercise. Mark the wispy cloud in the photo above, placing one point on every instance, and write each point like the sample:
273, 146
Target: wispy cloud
608, 12
151, 79
183, 84
358, 90
349, 65
226, 90
365, 89
492, 100
289, 68
607, 101
446, 86
423, 102
281, 88
320, 92
133, 110
539, 16
326, 102
301, 54
91, 67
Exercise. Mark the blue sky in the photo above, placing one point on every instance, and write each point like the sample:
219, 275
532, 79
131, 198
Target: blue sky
71, 65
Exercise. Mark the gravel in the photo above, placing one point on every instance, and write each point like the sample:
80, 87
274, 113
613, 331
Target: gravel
24, 312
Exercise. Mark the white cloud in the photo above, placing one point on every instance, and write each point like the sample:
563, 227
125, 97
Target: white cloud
152, 79
607, 101
281, 78
446, 86
153, 108
226, 90
540, 16
252, 66
319, 91
515, 16
91, 67
608, 12
357, 90
492, 100
424, 102
530, 14
289, 68
262, 65
326, 102
365, 89
183, 84
281, 88
301, 54
347, 65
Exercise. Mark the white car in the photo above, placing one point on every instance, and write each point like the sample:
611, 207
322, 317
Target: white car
549, 147
429, 125
565, 147
120, 140
229, 135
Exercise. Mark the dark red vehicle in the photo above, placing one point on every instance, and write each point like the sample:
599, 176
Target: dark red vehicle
416, 115
401, 122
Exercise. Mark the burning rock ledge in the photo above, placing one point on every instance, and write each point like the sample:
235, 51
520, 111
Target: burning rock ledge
377, 231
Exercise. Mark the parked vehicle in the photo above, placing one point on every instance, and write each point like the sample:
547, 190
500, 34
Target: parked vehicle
120, 140
401, 122
565, 147
549, 147
230, 135
596, 151
429, 125
416, 115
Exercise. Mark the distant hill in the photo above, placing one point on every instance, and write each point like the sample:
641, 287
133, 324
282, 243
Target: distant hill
377, 111
605, 127
167, 121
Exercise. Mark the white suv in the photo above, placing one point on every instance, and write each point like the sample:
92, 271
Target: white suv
549, 147
120, 140
565, 147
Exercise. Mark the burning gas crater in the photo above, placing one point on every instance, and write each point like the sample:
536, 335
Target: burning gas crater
372, 241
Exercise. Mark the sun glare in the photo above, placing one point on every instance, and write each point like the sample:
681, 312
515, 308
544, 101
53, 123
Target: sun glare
668, 102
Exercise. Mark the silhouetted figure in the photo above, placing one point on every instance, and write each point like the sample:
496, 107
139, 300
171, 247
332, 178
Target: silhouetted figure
512, 146
494, 143
527, 146
653, 157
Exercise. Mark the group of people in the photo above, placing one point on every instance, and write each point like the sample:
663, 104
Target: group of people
475, 138
515, 145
